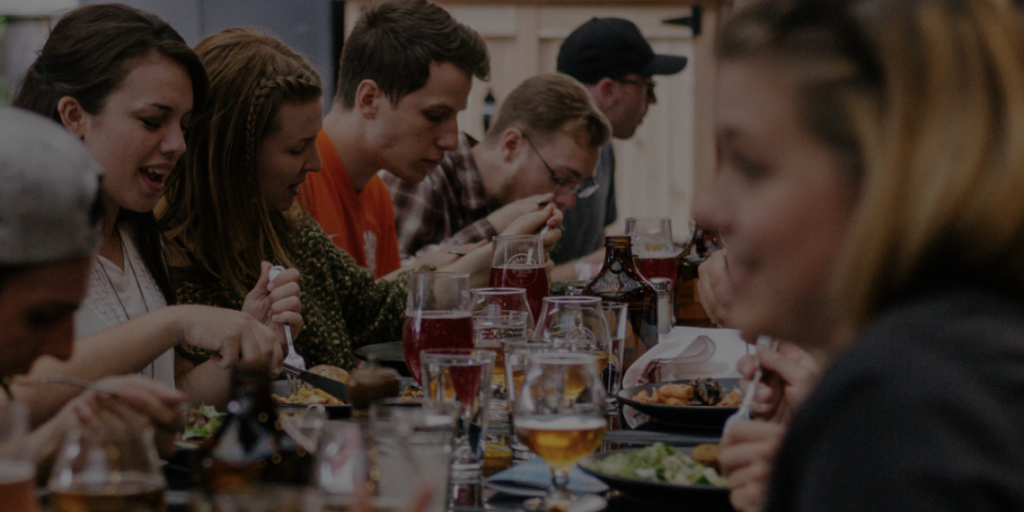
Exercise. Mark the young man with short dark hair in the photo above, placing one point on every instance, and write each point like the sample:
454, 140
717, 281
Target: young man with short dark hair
405, 72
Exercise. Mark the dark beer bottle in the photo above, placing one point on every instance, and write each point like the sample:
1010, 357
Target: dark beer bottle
689, 311
251, 445
620, 281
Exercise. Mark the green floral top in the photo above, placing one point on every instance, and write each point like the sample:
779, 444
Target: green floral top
343, 306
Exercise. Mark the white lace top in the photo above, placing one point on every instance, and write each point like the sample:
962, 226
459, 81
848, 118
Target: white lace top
117, 295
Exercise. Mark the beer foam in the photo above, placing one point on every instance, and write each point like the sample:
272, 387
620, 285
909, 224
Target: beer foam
561, 423
13, 471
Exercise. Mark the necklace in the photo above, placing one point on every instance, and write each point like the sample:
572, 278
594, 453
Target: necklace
128, 260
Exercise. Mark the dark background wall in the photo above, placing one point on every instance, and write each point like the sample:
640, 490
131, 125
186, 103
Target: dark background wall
307, 26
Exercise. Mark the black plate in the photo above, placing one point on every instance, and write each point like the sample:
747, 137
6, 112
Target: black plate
334, 412
388, 354
696, 497
701, 416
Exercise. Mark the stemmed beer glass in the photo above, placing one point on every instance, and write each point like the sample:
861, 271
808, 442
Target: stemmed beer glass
559, 415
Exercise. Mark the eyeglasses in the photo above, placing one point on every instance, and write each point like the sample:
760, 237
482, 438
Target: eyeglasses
647, 84
582, 189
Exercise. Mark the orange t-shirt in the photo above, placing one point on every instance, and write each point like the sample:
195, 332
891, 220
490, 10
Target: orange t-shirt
361, 223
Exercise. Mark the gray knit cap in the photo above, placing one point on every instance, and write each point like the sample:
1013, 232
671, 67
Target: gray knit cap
48, 192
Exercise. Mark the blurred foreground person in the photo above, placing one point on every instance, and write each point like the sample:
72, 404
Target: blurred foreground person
50, 212
869, 188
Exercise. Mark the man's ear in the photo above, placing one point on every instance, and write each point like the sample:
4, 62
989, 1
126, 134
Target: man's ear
511, 144
72, 116
368, 98
605, 93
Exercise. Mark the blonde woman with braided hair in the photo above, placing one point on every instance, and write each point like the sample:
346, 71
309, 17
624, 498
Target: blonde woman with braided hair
232, 204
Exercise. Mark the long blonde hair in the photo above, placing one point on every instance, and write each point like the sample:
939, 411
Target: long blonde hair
923, 103
214, 213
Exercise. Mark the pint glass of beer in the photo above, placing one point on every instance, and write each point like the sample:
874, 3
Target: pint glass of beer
111, 467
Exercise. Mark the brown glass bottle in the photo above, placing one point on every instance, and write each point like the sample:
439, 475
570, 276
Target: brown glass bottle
620, 281
251, 446
689, 311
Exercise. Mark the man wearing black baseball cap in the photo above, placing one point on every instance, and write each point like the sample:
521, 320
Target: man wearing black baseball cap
611, 57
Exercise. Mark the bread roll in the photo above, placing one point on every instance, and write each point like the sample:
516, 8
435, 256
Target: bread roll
331, 372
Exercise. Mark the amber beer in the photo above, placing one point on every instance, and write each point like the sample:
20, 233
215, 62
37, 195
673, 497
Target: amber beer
18, 486
499, 362
688, 309
563, 440
136, 492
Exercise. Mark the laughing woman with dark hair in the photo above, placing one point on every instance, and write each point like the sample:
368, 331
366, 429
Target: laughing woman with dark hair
125, 83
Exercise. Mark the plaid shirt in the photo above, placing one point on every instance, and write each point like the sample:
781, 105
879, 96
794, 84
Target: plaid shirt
447, 208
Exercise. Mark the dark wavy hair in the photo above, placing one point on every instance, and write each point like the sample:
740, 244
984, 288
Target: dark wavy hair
394, 44
87, 56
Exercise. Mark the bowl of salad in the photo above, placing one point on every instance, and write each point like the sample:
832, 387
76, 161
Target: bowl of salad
661, 474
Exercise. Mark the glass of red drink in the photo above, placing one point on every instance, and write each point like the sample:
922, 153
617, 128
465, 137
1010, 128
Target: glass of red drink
519, 263
437, 315
461, 378
652, 246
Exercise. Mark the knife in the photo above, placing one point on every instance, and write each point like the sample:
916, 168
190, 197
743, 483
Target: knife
333, 387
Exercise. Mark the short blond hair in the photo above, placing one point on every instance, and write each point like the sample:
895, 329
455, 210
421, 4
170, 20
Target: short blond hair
923, 103
545, 104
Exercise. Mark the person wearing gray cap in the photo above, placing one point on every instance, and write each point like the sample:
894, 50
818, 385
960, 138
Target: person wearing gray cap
611, 57
124, 83
49, 229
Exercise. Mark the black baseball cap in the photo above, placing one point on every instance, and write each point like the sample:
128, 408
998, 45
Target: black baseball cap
612, 47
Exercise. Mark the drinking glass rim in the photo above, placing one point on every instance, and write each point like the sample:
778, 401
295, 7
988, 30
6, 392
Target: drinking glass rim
498, 290
573, 299
561, 358
458, 356
527, 341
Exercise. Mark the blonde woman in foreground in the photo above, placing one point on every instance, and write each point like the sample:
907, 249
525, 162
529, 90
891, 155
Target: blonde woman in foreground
871, 163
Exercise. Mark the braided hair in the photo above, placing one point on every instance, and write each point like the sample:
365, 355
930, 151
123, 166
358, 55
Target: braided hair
214, 216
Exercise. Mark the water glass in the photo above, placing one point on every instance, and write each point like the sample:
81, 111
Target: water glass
414, 448
269, 498
615, 314
17, 469
461, 378
437, 315
518, 262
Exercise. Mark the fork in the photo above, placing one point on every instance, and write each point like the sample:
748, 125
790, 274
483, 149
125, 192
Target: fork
743, 413
293, 358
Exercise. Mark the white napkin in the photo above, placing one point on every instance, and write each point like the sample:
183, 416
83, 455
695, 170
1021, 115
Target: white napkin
685, 353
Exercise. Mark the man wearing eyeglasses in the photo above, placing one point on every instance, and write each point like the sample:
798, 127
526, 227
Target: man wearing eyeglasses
612, 58
543, 147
